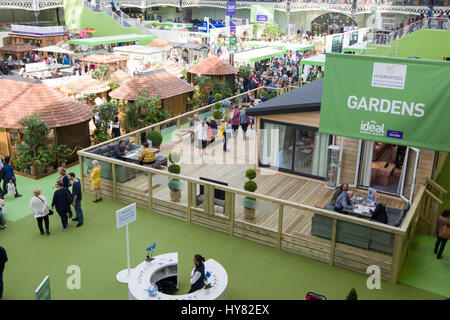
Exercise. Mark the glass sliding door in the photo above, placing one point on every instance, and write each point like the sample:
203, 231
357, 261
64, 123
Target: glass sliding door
293, 148
276, 145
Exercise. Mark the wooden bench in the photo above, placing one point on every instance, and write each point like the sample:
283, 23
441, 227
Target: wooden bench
219, 195
159, 162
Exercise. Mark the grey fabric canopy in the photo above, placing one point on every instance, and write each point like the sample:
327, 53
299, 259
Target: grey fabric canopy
303, 99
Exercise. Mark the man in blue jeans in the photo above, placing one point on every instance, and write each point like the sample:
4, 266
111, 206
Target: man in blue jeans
77, 196
3, 260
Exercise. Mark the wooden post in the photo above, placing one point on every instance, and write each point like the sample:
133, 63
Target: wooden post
137, 138
189, 199
178, 123
232, 199
396, 256
280, 225
158, 128
80, 160
150, 191
114, 181
333, 242
209, 193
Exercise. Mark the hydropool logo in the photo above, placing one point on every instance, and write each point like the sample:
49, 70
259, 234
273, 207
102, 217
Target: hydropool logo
391, 76
372, 128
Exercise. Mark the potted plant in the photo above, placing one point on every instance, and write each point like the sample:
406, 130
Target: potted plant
352, 295
218, 97
156, 138
208, 284
218, 111
174, 184
149, 258
250, 203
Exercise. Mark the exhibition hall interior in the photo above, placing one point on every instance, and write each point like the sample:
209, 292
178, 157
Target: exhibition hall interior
224, 150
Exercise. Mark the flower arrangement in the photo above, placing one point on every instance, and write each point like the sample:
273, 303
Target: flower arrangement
208, 285
149, 250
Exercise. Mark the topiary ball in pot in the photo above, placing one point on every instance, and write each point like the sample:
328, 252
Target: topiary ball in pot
249, 202
156, 138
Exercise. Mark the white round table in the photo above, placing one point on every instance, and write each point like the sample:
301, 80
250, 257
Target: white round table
146, 274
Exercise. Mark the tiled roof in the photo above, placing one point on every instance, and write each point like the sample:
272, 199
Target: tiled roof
84, 85
160, 43
212, 66
173, 68
103, 58
22, 97
159, 82
18, 47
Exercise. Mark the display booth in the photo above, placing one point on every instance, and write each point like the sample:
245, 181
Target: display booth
255, 55
164, 268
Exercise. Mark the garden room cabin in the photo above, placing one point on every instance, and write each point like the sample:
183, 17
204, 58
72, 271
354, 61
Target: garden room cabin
67, 118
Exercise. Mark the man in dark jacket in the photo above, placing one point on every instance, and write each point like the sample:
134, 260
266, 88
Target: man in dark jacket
379, 213
62, 200
77, 195
119, 151
3, 260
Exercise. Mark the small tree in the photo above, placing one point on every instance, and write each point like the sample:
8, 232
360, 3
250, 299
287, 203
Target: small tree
106, 113
250, 186
174, 184
101, 73
35, 151
244, 72
255, 30
144, 111
352, 295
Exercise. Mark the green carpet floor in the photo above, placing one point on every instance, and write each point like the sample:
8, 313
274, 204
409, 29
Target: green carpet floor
255, 271
421, 269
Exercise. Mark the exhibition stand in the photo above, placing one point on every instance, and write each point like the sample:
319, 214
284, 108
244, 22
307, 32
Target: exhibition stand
165, 266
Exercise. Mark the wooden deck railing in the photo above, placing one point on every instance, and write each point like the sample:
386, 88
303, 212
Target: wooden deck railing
153, 195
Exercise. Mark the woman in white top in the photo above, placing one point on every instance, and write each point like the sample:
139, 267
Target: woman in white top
39, 206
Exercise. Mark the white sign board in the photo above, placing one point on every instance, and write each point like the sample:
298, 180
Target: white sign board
371, 195
126, 215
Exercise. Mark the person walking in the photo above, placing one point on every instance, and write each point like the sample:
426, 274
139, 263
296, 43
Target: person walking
115, 125
227, 131
2, 214
3, 260
66, 184
9, 176
243, 121
442, 233
235, 121
39, 207
95, 174
76, 201
62, 201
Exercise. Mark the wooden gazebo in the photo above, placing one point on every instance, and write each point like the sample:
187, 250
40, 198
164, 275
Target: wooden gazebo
214, 67
119, 77
17, 51
114, 62
85, 85
159, 43
171, 90
68, 119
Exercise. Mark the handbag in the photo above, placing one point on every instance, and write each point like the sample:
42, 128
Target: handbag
50, 211
444, 232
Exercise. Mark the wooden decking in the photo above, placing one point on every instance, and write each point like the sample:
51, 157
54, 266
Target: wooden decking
236, 161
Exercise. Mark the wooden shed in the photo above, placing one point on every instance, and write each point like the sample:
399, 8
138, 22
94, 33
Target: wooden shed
213, 66
171, 90
68, 119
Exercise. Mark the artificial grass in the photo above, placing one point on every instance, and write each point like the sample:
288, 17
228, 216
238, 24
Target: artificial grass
255, 271
422, 270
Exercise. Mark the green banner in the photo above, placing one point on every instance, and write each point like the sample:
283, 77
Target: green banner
43, 291
393, 100
262, 13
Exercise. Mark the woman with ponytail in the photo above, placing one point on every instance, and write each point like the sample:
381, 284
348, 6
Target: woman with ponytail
198, 273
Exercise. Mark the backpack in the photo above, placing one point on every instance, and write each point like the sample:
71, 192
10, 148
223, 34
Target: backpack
2, 173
